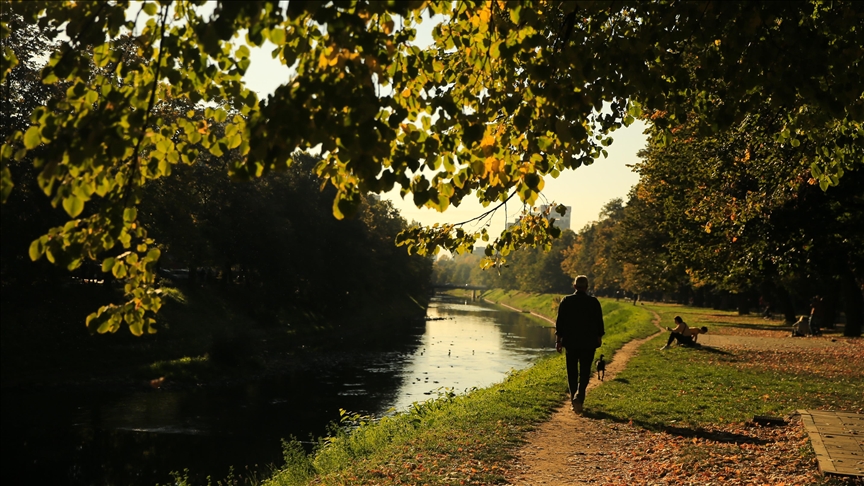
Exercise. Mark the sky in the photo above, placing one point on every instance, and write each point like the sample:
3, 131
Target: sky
586, 190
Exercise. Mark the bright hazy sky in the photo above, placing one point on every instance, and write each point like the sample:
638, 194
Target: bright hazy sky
585, 189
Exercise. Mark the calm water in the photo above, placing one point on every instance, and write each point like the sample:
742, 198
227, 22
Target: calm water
139, 438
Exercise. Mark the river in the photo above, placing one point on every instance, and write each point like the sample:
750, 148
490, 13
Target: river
135, 438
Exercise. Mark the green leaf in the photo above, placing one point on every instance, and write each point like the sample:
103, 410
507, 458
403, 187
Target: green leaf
32, 138
105, 326
277, 36
495, 51
73, 205
37, 248
108, 264
130, 214
6, 184
514, 14
119, 270
136, 327
216, 150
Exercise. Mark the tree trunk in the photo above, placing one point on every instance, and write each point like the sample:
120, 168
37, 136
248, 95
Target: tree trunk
699, 297
786, 305
854, 300
830, 300
719, 300
743, 303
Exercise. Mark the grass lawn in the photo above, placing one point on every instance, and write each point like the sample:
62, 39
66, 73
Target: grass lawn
692, 387
699, 402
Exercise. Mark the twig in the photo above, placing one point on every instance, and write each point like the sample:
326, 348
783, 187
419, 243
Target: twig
491, 211
134, 157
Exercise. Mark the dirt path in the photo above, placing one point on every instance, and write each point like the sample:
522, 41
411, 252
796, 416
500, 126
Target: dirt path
570, 446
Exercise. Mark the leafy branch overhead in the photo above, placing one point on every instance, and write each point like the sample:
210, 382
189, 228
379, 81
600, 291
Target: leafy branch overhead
507, 94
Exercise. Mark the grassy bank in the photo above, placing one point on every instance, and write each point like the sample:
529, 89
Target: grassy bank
697, 387
453, 439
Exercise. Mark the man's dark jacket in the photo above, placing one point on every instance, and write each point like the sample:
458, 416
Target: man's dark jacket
580, 321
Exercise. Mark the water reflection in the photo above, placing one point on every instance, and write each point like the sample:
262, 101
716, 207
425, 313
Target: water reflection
468, 345
138, 438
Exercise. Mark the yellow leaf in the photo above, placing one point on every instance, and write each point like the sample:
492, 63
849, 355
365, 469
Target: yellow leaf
493, 165
485, 15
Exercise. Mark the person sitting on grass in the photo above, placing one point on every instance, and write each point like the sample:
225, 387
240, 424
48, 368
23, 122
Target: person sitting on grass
684, 334
801, 327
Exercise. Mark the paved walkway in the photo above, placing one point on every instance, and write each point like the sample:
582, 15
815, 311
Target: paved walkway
838, 440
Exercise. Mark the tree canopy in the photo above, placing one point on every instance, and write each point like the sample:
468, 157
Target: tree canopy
508, 93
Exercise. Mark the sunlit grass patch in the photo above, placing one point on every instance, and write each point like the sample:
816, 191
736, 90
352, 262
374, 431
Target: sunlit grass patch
543, 304
693, 387
722, 322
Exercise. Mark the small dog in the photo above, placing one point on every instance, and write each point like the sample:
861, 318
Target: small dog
601, 368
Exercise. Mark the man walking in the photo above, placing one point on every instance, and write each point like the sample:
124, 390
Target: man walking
579, 329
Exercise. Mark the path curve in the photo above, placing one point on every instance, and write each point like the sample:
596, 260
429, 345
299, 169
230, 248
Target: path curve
553, 452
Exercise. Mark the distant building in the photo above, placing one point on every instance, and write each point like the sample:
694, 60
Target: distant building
561, 222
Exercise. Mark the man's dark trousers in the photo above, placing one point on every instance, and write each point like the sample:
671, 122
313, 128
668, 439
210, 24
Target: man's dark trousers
579, 363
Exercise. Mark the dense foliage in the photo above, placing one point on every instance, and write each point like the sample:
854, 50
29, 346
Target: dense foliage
734, 212
270, 245
508, 93
741, 211
274, 243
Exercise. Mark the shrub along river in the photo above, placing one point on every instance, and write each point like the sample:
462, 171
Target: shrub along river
140, 437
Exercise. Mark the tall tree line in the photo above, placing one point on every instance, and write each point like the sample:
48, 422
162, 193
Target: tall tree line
528, 270
735, 219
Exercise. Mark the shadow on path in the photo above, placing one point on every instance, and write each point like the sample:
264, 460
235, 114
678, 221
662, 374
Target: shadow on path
686, 432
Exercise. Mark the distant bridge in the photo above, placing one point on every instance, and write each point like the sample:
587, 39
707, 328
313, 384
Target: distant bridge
449, 286
472, 288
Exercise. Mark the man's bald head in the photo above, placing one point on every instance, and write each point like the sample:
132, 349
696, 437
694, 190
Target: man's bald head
581, 283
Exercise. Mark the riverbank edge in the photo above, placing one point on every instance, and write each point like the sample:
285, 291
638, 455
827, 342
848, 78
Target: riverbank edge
466, 438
